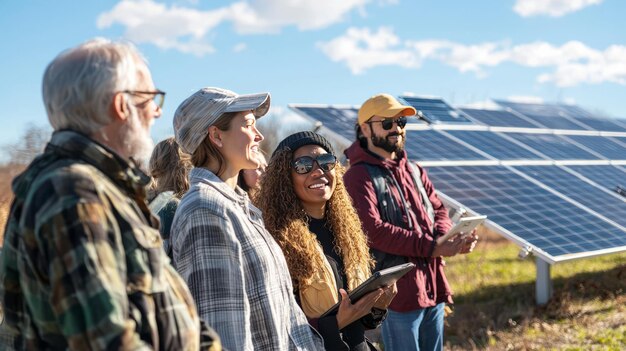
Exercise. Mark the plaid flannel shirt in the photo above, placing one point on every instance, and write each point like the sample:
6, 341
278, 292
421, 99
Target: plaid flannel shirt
235, 270
82, 265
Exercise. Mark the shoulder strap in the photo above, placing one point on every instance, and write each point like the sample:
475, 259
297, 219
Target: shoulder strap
387, 207
389, 212
417, 178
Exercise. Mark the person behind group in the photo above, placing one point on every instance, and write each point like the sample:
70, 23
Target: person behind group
234, 268
249, 179
82, 266
308, 211
403, 225
169, 167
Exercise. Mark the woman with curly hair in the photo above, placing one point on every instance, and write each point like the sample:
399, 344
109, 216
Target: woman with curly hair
169, 167
308, 211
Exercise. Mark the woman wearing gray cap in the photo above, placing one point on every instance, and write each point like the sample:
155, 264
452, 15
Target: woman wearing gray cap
235, 270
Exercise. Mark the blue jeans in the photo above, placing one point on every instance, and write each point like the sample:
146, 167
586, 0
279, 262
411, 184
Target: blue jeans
418, 330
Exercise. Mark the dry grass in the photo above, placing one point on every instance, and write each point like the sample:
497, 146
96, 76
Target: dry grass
7, 173
495, 307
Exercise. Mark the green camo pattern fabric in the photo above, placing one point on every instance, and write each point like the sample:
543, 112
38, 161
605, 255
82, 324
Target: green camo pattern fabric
83, 265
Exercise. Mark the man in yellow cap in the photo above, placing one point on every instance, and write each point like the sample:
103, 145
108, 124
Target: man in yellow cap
402, 216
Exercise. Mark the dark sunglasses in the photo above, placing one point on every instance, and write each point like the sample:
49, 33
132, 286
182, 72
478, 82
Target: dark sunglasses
387, 123
304, 164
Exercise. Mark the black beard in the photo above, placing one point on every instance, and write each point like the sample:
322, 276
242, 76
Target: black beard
385, 144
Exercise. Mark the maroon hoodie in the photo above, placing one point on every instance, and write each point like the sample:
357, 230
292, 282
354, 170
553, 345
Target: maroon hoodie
426, 285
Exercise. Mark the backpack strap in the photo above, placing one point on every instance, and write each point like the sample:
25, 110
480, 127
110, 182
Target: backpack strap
417, 179
389, 212
388, 208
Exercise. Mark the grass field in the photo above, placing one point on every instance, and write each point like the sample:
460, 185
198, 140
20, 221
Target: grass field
495, 309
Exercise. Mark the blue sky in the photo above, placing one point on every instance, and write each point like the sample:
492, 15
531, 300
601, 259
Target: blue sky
331, 51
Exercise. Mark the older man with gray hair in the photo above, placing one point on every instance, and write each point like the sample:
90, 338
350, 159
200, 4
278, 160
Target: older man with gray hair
83, 265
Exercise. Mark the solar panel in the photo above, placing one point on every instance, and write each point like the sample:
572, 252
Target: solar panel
498, 118
580, 189
559, 116
575, 111
336, 119
543, 219
610, 148
554, 146
602, 124
434, 146
547, 110
496, 145
609, 177
436, 110
556, 122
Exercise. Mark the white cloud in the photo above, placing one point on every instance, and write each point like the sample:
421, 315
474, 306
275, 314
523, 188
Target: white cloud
240, 47
267, 16
187, 29
362, 50
572, 63
554, 8
177, 28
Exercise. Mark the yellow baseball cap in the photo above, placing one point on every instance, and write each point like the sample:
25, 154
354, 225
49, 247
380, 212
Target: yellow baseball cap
383, 105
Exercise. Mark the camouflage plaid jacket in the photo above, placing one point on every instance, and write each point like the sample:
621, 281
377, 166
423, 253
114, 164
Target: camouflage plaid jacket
83, 265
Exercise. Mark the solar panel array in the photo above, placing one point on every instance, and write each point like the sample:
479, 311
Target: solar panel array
548, 176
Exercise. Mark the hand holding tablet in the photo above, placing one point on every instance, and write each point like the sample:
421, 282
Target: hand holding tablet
465, 225
382, 278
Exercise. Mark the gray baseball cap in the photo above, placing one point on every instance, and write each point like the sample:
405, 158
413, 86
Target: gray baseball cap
197, 113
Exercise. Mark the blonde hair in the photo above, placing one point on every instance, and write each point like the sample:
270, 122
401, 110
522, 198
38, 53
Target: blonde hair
287, 221
169, 168
207, 151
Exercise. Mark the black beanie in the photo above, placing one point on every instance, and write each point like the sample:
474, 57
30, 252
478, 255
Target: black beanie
295, 141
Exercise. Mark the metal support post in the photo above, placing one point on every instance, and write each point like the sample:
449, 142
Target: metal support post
543, 284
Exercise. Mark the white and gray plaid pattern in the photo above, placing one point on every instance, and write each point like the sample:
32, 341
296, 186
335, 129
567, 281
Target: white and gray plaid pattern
235, 270
202, 109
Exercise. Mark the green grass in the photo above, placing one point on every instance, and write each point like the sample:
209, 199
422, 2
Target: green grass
495, 308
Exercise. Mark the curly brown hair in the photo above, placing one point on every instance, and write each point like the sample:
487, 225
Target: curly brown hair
287, 221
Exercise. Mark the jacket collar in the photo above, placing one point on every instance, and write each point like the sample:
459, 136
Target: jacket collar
204, 176
68, 144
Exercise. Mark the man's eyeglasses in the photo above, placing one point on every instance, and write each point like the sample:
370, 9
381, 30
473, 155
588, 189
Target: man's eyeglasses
158, 96
387, 123
304, 164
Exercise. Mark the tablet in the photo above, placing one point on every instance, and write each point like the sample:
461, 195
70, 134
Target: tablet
380, 279
465, 225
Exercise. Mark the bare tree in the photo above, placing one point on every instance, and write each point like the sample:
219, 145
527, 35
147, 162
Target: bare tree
32, 144
278, 125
